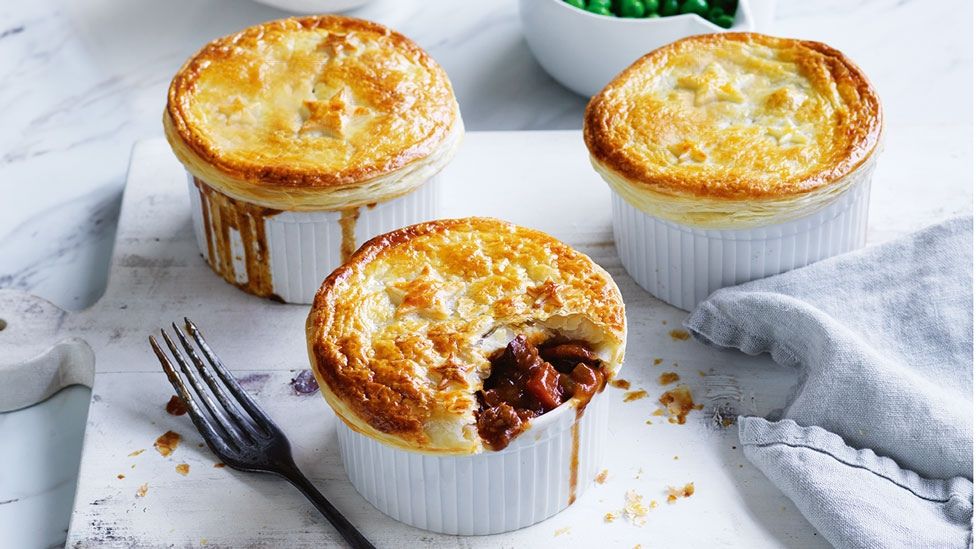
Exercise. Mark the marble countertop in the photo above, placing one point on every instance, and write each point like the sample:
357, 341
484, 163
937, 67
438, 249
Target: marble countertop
83, 80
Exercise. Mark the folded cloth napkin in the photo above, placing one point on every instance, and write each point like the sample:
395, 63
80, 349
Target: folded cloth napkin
875, 445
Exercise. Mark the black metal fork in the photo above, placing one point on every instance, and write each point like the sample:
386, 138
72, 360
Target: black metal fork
237, 430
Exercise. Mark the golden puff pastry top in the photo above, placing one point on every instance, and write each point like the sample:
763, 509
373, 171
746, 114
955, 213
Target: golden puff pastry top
313, 113
399, 337
734, 129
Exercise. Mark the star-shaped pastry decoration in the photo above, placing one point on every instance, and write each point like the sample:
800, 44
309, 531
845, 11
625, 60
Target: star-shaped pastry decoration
710, 85
333, 116
687, 151
787, 134
339, 44
235, 110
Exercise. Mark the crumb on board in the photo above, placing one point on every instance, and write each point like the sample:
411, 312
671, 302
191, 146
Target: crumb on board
120, 476
137, 452
142, 490
183, 469
610, 517
219, 465
601, 477
658, 361
167, 442
561, 531
621, 384
675, 458
635, 395
701, 373
634, 508
679, 335
639, 473
175, 406
667, 378
658, 412
649, 422
653, 504
685, 491
678, 403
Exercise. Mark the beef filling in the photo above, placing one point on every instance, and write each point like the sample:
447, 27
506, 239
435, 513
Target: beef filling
527, 381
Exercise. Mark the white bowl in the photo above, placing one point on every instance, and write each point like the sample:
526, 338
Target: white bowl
584, 51
314, 6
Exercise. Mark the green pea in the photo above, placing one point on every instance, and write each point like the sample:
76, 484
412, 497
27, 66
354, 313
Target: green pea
598, 4
652, 15
599, 10
724, 21
699, 7
631, 8
669, 7
714, 12
651, 7
576, 3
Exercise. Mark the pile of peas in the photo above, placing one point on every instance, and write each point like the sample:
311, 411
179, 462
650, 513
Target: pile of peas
720, 12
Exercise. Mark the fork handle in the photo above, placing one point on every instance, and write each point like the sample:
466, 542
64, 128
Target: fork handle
348, 531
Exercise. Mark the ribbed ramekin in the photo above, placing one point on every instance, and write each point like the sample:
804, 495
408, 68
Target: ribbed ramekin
681, 265
286, 255
540, 473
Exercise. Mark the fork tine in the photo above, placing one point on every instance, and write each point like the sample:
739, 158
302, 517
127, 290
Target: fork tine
216, 387
204, 426
232, 434
229, 380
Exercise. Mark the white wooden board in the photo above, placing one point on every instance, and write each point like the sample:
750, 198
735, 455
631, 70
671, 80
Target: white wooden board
538, 179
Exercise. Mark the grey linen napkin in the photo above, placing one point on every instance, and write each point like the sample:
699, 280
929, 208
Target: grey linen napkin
875, 444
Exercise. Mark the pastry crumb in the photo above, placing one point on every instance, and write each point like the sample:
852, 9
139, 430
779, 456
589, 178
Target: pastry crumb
679, 335
678, 403
685, 491
621, 384
653, 504
602, 476
167, 442
635, 395
219, 465
142, 490
561, 531
137, 452
634, 509
667, 378
183, 469
610, 517
658, 361
639, 473
175, 406
120, 476
676, 458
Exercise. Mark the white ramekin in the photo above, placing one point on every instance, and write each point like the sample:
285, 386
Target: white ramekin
487, 493
302, 248
681, 265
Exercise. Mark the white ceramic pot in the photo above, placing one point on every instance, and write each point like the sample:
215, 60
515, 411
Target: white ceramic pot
681, 264
540, 473
286, 255
584, 51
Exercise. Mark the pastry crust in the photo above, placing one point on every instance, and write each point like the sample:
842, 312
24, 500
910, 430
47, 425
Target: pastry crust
733, 128
313, 113
399, 337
